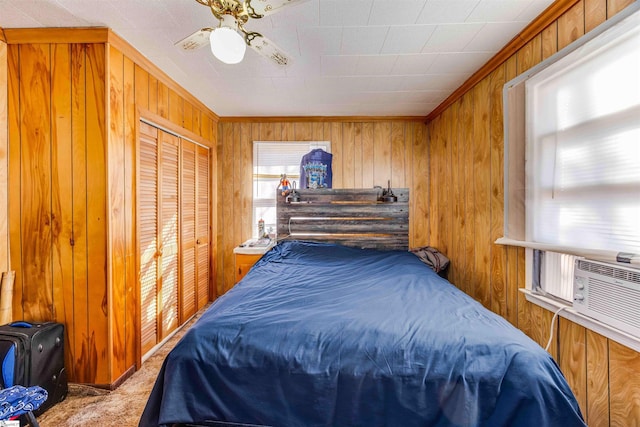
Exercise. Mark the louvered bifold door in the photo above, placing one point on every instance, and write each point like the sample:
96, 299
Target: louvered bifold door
169, 234
203, 238
188, 231
147, 237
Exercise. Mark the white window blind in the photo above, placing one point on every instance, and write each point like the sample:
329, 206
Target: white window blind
583, 147
271, 159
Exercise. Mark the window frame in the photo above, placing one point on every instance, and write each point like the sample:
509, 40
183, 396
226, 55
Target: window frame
514, 152
515, 187
266, 202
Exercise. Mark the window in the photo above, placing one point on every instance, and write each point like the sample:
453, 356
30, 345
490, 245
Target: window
270, 161
583, 147
572, 156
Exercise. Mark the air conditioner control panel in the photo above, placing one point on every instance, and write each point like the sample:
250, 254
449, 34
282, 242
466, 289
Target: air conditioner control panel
579, 284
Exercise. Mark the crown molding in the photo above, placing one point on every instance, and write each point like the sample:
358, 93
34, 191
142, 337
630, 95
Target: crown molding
320, 119
56, 35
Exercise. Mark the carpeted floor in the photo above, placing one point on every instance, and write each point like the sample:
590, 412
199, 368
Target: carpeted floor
122, 407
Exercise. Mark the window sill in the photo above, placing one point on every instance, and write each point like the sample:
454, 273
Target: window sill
570, 314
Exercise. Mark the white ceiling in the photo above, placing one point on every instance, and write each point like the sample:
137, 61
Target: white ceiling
351, 57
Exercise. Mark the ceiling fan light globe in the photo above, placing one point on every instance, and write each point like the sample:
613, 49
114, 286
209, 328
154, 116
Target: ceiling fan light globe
227, 45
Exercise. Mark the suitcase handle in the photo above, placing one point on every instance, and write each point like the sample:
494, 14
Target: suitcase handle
21, 325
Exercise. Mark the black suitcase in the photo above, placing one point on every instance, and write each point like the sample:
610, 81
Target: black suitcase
33, 354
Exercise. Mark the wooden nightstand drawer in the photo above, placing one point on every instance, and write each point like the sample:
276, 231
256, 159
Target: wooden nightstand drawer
244, 262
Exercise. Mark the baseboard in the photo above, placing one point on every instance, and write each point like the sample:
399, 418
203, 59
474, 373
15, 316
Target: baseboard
123, 377
114, 385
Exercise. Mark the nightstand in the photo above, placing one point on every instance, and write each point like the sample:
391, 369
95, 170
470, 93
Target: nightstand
248, 254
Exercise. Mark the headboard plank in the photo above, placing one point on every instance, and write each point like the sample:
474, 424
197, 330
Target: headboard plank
352, 217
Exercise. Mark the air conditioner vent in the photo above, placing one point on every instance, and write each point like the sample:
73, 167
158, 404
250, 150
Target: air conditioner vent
618, 304
609, 293
609, 270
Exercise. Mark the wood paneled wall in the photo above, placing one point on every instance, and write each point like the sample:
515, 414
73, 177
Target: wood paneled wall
135, 92
466, 216
57, 227
73, 109
4, 160
365, 153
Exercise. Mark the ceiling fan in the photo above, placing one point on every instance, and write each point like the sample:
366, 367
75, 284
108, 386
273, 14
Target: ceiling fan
230, 39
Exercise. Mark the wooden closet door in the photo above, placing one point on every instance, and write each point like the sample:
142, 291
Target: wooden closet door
158, 228
188, 231
148, 236
168, 231
203, 238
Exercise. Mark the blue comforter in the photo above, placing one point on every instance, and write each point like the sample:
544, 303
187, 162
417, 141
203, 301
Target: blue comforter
325, 335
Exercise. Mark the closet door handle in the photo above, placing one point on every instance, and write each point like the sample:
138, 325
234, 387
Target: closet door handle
197, 241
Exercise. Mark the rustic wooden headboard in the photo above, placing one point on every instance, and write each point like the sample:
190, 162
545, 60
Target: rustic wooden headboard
352, 217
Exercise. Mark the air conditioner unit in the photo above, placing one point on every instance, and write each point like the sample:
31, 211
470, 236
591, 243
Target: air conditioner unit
609, 293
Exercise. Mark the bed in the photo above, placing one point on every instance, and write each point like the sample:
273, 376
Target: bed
321, 334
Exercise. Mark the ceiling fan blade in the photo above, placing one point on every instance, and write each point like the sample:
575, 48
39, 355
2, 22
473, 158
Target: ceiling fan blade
260, 8
268, 49
196, 40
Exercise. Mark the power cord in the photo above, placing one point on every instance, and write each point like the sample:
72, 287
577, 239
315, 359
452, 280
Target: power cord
553, 321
